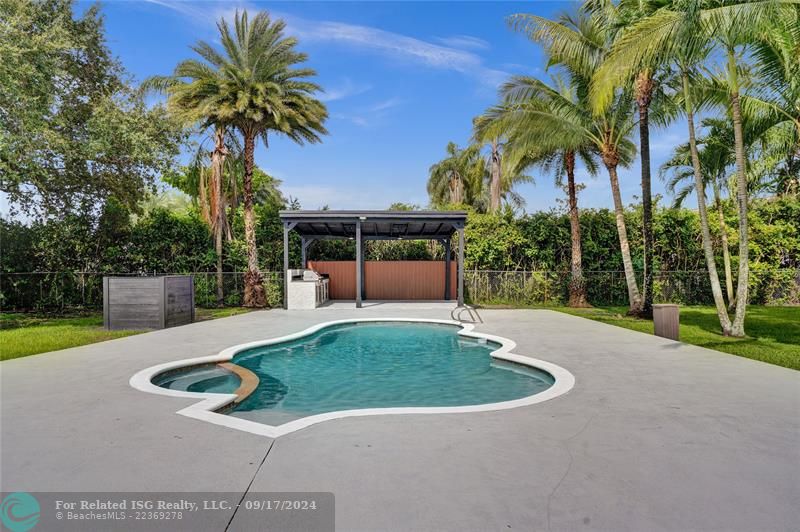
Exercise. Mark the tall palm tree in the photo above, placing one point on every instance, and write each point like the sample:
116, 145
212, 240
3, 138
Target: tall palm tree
458, 178
644, 85
716, 158
190, 100
258, 89
212, 194
683, 33
523, 150
580, 44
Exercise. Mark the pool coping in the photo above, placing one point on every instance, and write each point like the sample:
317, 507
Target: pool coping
209, 403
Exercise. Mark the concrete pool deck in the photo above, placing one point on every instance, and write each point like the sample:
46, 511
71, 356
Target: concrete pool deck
655, 435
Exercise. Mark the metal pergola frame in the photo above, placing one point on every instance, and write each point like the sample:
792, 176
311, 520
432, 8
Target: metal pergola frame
375, 225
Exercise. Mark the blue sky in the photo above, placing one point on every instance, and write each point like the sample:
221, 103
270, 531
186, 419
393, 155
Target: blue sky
401, 79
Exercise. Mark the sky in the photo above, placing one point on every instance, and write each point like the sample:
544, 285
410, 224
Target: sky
401, 80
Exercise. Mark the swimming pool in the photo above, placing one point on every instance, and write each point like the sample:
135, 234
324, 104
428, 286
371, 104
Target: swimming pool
354, 368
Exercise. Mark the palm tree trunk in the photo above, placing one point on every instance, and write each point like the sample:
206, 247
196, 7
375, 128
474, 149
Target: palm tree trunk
577, 285
699, 188
644, 93
634, 297
456, 190
254, 295
494, 187
217, 166
741, 195
726, 255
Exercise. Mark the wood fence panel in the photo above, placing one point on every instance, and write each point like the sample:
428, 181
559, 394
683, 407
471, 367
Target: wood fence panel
343, 277
390, 280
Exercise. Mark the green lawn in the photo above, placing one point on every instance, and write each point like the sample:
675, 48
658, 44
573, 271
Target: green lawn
23, 334
773, 332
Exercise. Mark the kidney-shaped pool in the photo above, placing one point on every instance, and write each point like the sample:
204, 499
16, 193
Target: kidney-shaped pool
359, 367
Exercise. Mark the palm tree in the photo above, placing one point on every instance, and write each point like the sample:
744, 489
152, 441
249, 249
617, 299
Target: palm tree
189, 100
683, 33
256, 87
458, 178
213, 210
504, 173
523, 151
645, 84
580, 45
775, 104
716, 157
496, 176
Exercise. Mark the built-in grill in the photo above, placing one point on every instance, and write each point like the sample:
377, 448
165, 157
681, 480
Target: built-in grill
307, 289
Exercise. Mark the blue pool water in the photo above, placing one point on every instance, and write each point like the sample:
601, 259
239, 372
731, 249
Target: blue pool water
367, 365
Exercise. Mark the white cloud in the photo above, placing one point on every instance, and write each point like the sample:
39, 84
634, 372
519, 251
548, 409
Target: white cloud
201, 16
356, 119
384, 105
395, 45
362, 37
464, 41
344, 90
365, 116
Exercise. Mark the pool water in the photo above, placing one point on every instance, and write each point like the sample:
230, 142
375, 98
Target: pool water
208, 379
367, 365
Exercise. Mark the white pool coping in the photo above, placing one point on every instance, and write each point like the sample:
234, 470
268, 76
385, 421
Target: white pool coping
210, 402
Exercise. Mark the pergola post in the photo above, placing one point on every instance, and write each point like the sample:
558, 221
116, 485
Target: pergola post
461, 266
285, 266
359, 264
306, 242
363, 271
447, 269
287, 226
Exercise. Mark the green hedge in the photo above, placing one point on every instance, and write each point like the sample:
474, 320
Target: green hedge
533, 250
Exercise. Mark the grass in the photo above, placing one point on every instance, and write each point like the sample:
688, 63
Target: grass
773, 332
23, 334
203, 314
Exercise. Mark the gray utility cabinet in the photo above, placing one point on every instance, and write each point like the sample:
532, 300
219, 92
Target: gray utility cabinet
148, 302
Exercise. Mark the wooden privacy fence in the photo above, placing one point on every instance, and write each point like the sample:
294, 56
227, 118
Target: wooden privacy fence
390, 280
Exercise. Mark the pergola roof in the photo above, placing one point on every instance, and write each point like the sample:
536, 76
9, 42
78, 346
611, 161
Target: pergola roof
375, 225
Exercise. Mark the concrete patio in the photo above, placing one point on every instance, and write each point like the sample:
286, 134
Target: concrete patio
656, 435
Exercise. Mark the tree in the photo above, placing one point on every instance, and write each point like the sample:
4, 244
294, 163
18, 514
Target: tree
580, 44
645, 86
72, 132
775, 104
503, 173
526, 151
191, 100
458, 178
716, 157
259, 89
683, 34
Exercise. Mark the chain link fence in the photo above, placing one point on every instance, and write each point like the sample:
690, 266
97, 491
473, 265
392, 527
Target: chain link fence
56, 291
52, 291
551, 288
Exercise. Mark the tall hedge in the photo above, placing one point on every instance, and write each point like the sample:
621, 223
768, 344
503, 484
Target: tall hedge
165, 241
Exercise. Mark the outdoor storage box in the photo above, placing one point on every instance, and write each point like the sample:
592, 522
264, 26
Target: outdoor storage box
148, 302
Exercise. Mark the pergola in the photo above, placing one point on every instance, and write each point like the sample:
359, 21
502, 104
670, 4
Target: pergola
376, 225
